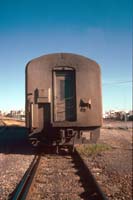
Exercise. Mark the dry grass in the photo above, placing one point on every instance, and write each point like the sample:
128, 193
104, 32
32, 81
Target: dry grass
92, 149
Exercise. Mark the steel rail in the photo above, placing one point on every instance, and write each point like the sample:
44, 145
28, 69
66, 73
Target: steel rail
22, 190
3, 126
90, 177
2, 123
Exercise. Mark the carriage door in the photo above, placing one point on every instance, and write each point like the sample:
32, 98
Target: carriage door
64, 95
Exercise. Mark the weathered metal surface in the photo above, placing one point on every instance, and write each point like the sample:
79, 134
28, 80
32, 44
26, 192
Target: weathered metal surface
63, 90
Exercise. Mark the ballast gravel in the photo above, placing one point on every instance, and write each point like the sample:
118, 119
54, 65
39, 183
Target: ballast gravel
12, 169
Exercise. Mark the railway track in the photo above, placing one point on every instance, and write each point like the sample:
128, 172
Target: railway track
2, 126
58, 177
2, 123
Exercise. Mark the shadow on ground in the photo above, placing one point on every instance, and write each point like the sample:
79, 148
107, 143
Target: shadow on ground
14, 139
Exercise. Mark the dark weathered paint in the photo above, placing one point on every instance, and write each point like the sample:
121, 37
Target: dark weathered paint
88, 89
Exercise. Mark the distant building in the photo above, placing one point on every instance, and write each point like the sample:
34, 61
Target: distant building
118, 115
17, 114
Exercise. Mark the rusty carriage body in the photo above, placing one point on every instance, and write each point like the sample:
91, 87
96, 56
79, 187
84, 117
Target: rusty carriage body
63, 99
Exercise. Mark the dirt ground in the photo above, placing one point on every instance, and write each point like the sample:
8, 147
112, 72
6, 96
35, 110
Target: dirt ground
12, 122
113, 168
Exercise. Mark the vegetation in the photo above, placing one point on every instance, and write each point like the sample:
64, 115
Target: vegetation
92, 149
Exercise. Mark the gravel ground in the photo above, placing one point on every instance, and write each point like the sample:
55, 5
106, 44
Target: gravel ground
12, 169
15, 158
113, 168
54, 182
117, 124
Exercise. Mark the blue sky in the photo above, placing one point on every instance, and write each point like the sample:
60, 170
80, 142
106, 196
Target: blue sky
98, 29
